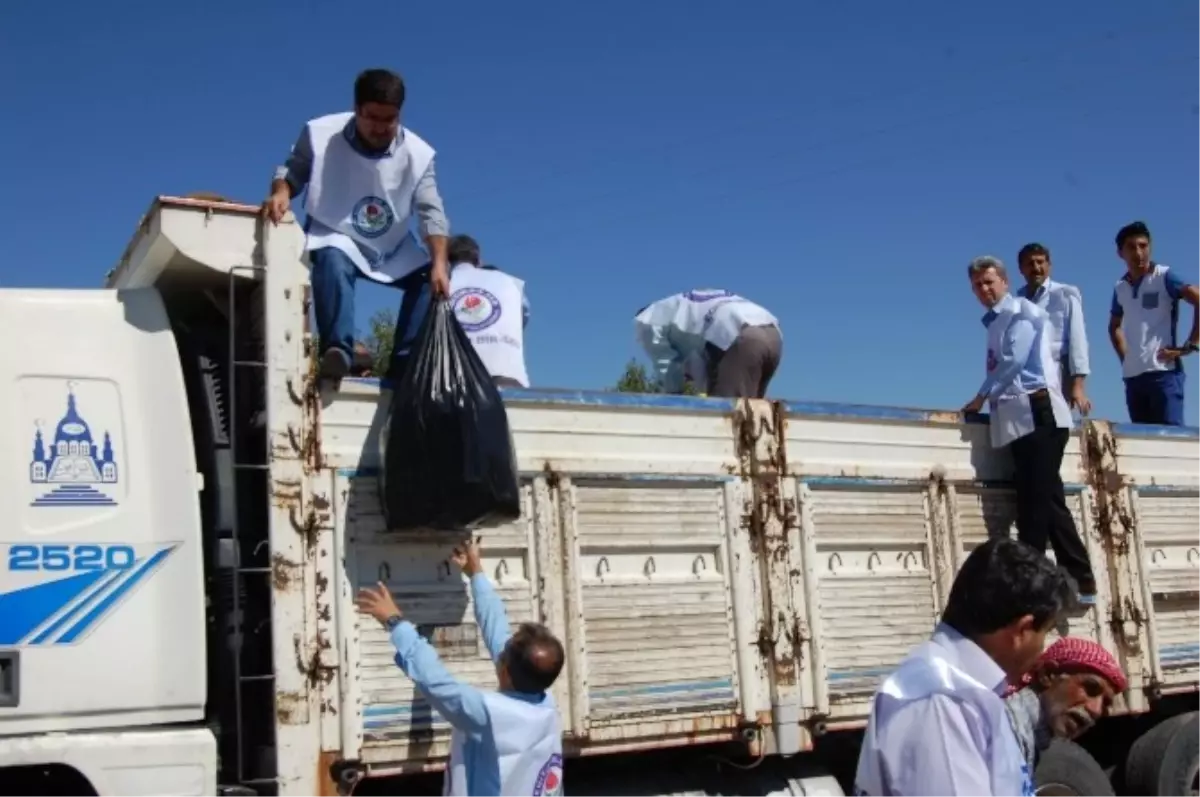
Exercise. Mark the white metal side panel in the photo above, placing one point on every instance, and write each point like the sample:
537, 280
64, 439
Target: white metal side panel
398, 726
1159, 464
1168, 523
872, 550
657, 614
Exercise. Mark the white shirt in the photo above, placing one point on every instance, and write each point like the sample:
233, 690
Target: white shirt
674, 330
925, 738
1068, 338
1149, 312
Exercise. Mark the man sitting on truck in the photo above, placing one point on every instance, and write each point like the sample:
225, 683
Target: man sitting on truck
1070, 687
484, 299
938, 723
365, 175
739, 342
506, 742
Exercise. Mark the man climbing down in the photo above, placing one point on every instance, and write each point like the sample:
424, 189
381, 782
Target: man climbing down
505, 742
739, 342
365, 175
1071, 686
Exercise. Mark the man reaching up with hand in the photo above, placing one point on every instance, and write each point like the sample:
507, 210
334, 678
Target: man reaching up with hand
504, 742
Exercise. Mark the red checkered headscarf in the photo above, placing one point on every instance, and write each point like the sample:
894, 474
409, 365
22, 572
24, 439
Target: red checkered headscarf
1074, 653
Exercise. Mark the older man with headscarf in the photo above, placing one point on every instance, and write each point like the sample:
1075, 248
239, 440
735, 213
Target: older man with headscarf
1070, 687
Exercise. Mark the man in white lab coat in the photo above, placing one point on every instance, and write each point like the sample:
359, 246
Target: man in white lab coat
938, 724
739, 342
365, 176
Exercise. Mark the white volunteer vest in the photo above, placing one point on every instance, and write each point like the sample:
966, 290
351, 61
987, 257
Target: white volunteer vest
487, 304
717, 316
1011, 416
528, 745
927, 672
362, 205
1148, 323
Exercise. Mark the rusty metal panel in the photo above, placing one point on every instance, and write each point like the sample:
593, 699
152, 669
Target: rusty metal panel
657, 614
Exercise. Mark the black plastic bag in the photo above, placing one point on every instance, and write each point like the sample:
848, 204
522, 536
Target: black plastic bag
448, 459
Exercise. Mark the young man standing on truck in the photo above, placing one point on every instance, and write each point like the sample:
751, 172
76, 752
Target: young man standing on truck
1071, 686
739, 342
365, 175
1028, 414
1145, 310
1064, 307
938, 723
506, 742
485, 302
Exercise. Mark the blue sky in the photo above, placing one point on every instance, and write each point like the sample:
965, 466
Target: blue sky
840, 163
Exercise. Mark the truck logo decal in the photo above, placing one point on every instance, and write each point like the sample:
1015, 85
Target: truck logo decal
63, 610
79, 469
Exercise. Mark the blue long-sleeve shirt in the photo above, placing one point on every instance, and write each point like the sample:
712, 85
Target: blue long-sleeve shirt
1068, 338
1014, 363
460, 704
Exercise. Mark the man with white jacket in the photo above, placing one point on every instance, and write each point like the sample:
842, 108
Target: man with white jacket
365, 176
739, 343
506, 742
1028, 415
938, 724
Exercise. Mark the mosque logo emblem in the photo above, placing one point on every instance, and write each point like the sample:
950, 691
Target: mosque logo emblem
78, 470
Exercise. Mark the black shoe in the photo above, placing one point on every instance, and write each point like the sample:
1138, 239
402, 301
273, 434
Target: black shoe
335, 363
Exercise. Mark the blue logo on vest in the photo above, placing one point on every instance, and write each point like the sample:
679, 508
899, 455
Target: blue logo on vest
549, 779
992, 362
706, 296
372, 217
83, 469
475, 308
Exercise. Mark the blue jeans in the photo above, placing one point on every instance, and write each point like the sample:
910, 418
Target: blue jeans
333, 277
1156, 397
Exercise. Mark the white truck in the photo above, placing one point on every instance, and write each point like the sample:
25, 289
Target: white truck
191, 514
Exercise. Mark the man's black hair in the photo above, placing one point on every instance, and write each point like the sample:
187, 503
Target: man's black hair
534, 658
379, 85
1029, 250
1002, 581
1130, 230
463, 249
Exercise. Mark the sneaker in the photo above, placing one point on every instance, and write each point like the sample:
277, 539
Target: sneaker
334, 364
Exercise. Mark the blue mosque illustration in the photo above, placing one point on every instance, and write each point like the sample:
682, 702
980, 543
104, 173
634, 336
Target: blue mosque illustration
73, 462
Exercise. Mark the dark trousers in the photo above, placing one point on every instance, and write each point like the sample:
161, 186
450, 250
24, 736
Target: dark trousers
1042, 513
1156, 397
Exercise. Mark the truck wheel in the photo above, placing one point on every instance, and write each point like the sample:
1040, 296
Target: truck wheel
1065, 768
1159, 763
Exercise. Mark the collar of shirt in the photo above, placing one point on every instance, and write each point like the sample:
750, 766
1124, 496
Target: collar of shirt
350, 131
1145, 274
1034, 295
997, 308
971, 658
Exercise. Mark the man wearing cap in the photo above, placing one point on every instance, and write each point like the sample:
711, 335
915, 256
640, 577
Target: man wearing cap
1070, 687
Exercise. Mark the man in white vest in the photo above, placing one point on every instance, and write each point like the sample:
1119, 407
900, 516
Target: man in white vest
938, 724
740, 343
491, 307
1029, 415
1142, 328
365, 177
505, 742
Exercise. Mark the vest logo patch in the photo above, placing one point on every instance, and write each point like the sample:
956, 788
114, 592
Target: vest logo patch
475, 308
372, 217
1150, 300
549, 779
991, 361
